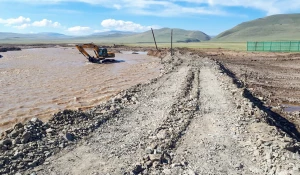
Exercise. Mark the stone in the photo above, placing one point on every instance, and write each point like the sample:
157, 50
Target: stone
167, 171
239, 166
34, 120
155, 157
18, 126
49, 130
69, 136
137, 168
25, 137
7, 142
14, 133
190, 172
149, 150
162, 134
149, 163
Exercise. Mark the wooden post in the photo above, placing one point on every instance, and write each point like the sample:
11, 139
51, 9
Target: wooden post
154, 39
172, 42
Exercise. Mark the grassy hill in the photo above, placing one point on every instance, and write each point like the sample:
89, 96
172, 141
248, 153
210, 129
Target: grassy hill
271, 28
162, 36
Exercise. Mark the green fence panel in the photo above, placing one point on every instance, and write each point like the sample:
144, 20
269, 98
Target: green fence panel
282, 46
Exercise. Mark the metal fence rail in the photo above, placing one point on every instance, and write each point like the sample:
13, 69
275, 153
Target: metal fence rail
282, 46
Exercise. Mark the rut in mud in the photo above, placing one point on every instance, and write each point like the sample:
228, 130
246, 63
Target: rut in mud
191, 120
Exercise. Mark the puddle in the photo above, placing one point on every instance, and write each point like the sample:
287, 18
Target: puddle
133, 52
291, 108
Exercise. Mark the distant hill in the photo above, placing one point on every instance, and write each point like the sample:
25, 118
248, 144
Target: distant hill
271, 28
162, 35
44, 35
114, 32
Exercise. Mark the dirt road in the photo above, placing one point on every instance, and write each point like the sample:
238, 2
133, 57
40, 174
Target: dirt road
191, 120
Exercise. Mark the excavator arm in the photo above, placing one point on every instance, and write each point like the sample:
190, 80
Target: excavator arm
81, 50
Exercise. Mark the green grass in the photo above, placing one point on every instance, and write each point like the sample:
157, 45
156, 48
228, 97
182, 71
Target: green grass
271, 28
241, 46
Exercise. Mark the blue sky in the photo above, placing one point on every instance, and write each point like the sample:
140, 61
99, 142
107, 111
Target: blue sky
82, 17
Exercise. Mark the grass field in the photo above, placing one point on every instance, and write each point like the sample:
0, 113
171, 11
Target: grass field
241, 46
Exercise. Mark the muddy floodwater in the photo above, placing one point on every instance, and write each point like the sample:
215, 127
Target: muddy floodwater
40, 82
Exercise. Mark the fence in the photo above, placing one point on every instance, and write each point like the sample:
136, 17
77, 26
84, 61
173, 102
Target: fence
280, 46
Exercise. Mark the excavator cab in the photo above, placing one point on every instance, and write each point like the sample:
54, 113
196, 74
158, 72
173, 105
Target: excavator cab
103, 52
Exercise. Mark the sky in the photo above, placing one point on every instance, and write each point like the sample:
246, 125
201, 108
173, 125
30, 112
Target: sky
83, 17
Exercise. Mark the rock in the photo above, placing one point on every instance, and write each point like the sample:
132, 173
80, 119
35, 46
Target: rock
239, 166
25, 137
69, 136
162, 134
35, 120
137, 169
149, 150
18, 126
149, 163
167, 171
14, 134
7, 142
16, 141
155, 157
190, 172
49, 130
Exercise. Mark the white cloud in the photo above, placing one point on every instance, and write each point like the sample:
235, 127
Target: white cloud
117, 6
23, 26
125, 25
79, 30
22, 23
15, 21
46, 23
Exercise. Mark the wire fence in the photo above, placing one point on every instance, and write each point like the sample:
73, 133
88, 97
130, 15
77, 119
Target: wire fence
280, 46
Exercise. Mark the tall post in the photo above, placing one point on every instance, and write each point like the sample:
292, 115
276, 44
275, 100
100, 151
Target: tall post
154, 39
171, 42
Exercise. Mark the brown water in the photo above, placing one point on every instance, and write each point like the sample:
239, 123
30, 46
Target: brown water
40, 82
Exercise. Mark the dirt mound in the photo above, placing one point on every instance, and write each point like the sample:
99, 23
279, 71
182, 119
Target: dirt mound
157, 53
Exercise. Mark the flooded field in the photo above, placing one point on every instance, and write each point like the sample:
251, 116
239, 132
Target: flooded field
40, 82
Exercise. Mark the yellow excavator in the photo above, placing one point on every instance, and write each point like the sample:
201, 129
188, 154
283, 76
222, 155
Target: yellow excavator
101, 53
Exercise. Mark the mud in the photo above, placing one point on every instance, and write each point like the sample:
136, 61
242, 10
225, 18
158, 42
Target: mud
39, 82
272, 77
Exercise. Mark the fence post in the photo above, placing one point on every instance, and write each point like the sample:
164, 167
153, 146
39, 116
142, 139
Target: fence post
280, 46
172, 42
154, 39
255, 47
